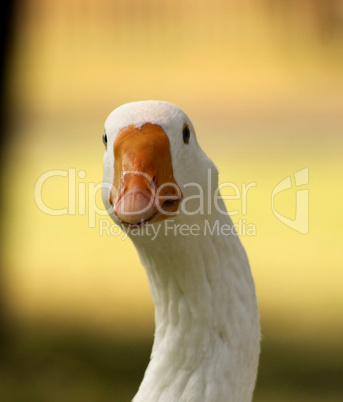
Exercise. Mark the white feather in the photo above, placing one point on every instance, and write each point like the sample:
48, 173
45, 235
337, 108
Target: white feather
207, 337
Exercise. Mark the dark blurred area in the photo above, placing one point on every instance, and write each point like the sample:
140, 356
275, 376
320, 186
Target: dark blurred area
8, 26
49, 365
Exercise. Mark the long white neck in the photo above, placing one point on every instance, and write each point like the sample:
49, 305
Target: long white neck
207, 336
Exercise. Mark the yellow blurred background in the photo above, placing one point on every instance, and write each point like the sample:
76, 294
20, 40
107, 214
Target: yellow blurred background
262, 82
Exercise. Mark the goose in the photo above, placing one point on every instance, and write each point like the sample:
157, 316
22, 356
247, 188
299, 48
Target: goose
161, 188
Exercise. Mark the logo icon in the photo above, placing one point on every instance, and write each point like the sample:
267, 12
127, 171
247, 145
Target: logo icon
301, 221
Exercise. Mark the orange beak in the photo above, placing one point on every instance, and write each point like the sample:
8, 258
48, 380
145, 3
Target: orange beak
144, 188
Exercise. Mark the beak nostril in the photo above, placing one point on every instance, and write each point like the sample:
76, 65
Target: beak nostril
153, 182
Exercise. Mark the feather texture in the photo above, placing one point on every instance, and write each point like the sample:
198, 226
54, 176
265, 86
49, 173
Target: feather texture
207, 336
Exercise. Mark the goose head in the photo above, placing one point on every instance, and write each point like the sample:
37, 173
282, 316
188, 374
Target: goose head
152, 155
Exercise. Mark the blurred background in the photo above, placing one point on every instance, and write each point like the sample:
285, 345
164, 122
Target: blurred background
262, 81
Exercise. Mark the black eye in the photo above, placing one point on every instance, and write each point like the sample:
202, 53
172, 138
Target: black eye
104, 139
186, 134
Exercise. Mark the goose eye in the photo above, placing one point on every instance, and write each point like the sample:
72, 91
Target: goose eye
186, 134
104, 139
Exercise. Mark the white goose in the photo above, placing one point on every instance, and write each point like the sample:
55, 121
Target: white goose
161, 187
